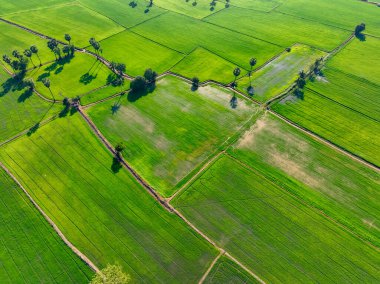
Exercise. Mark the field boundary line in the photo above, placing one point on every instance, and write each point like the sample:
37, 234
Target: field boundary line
245, 268
204, 276
83, 257
40, 8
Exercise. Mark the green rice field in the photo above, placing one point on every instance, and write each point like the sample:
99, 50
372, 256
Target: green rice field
30, 250
108, 216
274, 78
269, 231
165, 147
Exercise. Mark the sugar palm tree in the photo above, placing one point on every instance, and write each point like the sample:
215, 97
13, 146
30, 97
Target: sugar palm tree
29, 54
236, 73
16, 53
252, 62
46, 83
68, 38
34, 50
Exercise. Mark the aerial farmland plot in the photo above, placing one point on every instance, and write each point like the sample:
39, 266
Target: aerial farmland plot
189, 141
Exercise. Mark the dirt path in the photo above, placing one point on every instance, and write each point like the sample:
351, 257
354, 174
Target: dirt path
210, 267
54, 226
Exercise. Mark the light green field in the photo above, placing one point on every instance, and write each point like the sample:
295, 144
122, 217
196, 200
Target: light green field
270, 232
353, 92
72, 77
342, 126
8, 7
109, 217
138, 53
102, 93
31, 252
278, 75
360, 58
121, 12
342, 188
81, 23
165, 146
200, 10
341, 13
20, 109
12, 38
227, 271
185, 34
278, 28
260, 5
206, 66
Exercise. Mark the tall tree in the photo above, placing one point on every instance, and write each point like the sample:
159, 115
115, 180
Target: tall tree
57, 51
236, 73
16, 54
34, 50
29, 54
95, 45
66, 50
46, 83
68, 38
8, 60
120, 68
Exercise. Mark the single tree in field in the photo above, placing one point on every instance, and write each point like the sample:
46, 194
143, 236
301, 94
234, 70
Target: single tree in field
16, 54
68, 38
252, 62
359, 29
120, 68
236, 73
34, 50
52, 45
29, 54
119, 148
195, 83
112, 274
46, 83
301, 81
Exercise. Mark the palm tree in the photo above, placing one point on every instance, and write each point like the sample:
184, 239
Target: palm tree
120, 67
29, 54
95, 45
29, 83
46, 83
68, 38
8, 60
57, 51
252, 62
120, 147
34, 50
236, 73
66, 50
113, 65
16, 53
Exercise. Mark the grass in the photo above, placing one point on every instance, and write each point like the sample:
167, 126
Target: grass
270, 232
206, 66
71, 77
8, 7
260, 5
165, 146
278, 75
227, 271
12, 38
20, 109
122, 12
30, 250
349, 129
279, 28
359, 58
81, 23
139, 53
351, 13
101, 208
197, 9
342, 188
184, 34
102, 93
351, 91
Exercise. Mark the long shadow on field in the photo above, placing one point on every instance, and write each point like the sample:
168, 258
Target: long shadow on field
133, 96
25, 95
116, 165
12, 84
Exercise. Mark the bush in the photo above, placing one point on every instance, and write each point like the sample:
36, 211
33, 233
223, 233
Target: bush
139, 84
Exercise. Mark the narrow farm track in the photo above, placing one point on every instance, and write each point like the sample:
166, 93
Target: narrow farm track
211, 266
50, 221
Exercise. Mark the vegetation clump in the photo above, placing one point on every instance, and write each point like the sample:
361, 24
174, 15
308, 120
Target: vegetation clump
112, 274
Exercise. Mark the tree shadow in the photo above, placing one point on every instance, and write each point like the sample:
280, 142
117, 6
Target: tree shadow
116, 165
133, 4
33, 129
251, 90
87, 78
361, 37
146, 11
42, 76
12, 84
234, 102
25, 95
299, 93
135, 95
194, 87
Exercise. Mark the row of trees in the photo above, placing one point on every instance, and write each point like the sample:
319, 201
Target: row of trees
68, 49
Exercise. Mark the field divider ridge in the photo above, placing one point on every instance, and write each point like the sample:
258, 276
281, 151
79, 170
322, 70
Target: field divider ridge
204, 276
83, 257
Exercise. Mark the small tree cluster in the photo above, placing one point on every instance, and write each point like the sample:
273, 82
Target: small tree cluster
96, 45
144, 83
18, 63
